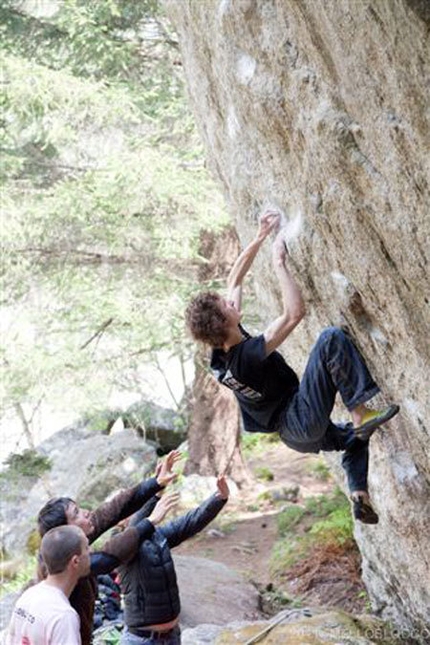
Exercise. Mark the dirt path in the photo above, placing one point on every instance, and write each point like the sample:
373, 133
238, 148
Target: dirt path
244, 535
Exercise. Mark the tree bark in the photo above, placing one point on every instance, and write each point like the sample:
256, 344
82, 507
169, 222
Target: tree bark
214, 430
25, 425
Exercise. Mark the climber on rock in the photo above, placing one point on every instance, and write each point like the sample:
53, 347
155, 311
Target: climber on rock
269, 393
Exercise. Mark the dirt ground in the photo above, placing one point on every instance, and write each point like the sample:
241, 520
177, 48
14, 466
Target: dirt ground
244, 535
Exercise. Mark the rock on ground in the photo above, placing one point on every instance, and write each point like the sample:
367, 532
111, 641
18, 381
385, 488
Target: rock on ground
299, 627
211, 592
86, 466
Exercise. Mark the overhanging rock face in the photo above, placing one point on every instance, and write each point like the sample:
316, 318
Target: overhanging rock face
322, 109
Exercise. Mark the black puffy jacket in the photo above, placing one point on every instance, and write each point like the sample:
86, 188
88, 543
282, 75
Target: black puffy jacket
149, 585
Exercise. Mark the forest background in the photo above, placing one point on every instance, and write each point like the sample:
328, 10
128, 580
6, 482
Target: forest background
105, 199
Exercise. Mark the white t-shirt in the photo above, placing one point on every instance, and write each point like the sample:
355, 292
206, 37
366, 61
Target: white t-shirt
43, 615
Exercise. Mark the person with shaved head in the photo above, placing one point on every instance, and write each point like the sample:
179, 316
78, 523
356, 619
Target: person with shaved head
43, 614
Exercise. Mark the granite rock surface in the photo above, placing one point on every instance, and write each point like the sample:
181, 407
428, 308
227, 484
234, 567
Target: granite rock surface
321, 109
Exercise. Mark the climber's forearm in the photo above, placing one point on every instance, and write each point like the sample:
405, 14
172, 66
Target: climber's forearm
241, 267
267, 223
293, 306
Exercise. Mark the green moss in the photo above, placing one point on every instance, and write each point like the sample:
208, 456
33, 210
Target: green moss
33, 542
29, 463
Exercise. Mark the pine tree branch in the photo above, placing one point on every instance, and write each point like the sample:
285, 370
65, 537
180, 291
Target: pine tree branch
98, 333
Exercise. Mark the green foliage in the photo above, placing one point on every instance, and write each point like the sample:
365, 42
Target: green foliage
323, 505
275, 600
324, 520
363, 595
255, 443
101, 421
26, 573
337, 527
264, 473
28, 463
319, 470
285, 553
33, 542
289, 518
105, 197
92, 38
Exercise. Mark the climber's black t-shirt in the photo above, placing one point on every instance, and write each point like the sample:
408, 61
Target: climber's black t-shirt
262, 384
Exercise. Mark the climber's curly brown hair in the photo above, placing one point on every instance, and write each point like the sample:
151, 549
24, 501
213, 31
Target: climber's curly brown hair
205, 320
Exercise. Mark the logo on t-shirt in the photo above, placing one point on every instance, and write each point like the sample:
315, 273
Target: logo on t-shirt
230, 381
23, 613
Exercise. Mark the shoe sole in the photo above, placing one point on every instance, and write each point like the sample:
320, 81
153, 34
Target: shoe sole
365, 431
368, 519
364, 513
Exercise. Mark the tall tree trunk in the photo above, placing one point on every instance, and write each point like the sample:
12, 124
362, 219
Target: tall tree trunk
214, 430
25, 425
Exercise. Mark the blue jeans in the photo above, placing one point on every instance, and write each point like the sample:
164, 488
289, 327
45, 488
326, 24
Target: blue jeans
334, 365
171, 638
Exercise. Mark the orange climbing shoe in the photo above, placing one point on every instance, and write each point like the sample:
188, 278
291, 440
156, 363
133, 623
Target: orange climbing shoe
373, 419
363, 511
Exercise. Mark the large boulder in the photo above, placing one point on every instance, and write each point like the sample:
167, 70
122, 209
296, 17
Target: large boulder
321, 109
156, 423
163, 426
86, 466
211, 592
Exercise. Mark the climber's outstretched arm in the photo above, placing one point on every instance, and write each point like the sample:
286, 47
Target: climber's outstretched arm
267, 223
293, 306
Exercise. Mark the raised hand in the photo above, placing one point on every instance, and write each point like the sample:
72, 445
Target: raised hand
268, 222
223, 489
164, 506
163, 472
